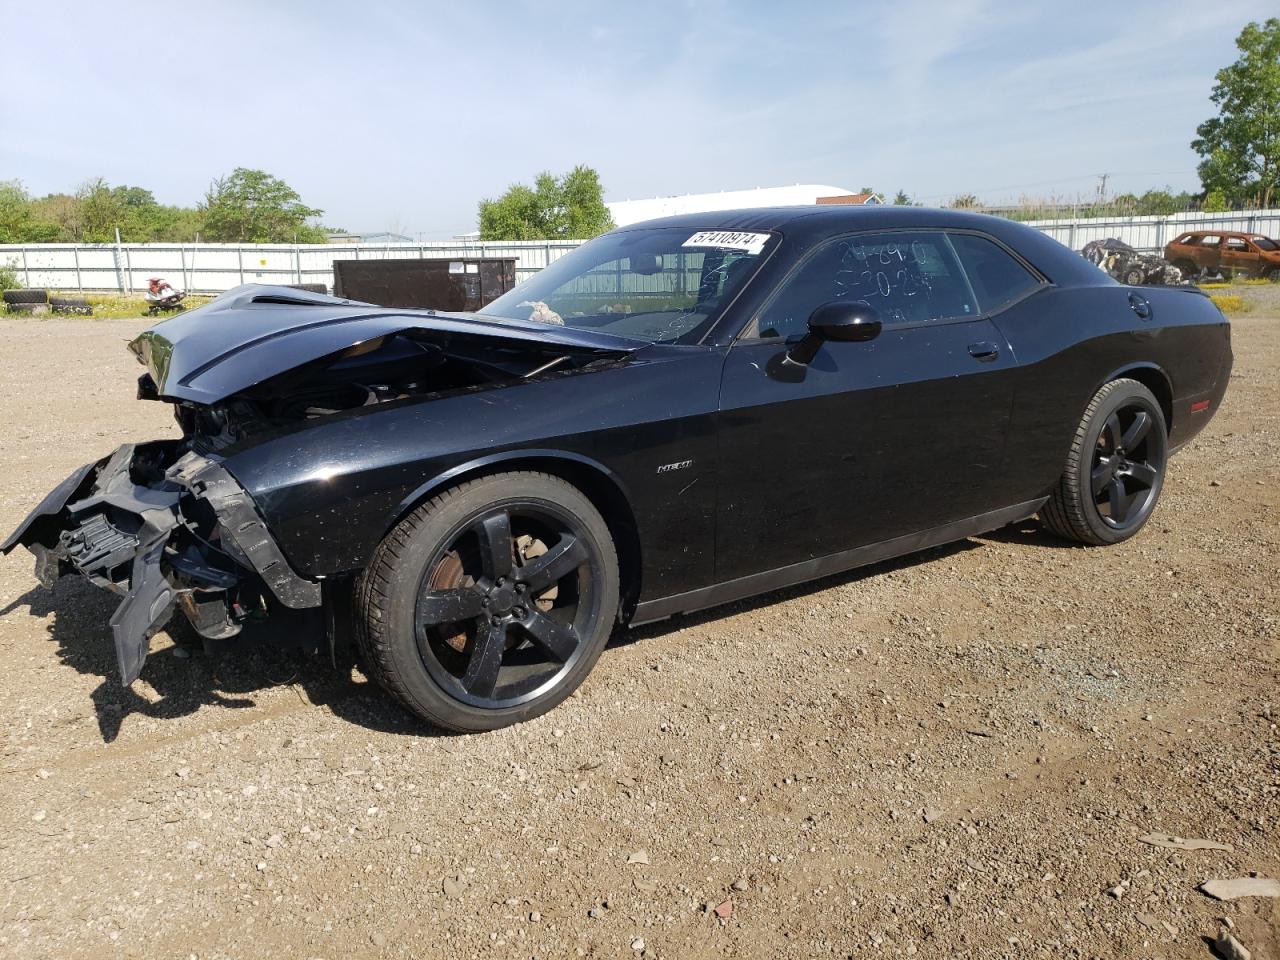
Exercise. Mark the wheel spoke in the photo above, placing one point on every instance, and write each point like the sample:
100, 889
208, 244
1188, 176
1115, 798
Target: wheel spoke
1143, 473
1119, 501
1102, 475
494, 534
1113, 431
543, 572
481, 677
1137, 430
449, 606
556, 639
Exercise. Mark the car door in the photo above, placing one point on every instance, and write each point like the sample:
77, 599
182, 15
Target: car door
1210, 252
873, 440
1239, 256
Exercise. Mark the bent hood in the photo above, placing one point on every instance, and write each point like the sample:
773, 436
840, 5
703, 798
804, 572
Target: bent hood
254, 332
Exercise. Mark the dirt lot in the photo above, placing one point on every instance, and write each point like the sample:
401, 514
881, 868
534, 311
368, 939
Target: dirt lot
953, 754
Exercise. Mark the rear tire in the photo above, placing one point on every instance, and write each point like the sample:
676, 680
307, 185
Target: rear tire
1115, 469
1135, 276
461, 619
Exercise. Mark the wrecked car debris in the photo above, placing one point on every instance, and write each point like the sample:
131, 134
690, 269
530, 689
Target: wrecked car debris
1119, 260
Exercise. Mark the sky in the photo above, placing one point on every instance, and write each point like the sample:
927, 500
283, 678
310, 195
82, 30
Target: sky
401, 116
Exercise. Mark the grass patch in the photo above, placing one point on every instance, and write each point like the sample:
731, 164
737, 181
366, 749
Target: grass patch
110, 306
116, 306
1230, 303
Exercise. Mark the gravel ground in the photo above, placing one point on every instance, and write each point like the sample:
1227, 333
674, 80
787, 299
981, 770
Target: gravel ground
950, 754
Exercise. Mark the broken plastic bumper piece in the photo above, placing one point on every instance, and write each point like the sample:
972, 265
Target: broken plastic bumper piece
165, 529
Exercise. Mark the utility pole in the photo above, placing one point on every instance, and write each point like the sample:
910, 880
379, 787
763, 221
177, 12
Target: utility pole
1102, 187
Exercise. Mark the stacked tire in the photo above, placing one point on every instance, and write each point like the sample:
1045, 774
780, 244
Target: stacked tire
28, 302
77, 306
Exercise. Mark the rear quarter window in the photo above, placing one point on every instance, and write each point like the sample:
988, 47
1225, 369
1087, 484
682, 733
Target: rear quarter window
997, 278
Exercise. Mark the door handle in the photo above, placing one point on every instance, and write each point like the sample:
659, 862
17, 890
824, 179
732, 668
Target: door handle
984, 350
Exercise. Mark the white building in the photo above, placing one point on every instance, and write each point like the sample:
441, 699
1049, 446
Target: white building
801, 194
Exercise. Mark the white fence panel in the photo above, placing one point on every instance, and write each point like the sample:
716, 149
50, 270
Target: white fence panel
214, 267
1150, 234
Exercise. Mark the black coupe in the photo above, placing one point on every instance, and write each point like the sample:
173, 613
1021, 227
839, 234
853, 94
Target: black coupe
676, 414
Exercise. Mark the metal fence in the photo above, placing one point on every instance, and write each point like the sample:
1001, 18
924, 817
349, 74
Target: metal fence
214, 267
1150, 234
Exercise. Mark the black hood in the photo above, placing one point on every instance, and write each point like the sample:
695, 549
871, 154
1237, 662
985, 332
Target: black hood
254, 332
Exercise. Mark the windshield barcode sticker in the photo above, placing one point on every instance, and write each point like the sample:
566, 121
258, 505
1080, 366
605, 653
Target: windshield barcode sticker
728, 240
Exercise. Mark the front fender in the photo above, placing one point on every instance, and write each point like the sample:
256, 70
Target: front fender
487, 464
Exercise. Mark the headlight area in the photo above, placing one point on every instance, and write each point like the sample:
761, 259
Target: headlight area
167, 529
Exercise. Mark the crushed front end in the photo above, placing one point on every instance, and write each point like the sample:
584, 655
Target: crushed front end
166, 528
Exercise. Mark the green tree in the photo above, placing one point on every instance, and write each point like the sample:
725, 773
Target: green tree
570, 207
966, 201
1162, 203
251, 206
60, 216
1215, 201
101, 212
1241, 145
900, 199
15, 212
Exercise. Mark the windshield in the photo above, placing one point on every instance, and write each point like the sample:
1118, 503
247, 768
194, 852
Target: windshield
664, 284
1265, 243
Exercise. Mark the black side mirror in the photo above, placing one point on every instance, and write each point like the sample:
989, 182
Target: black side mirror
847, 320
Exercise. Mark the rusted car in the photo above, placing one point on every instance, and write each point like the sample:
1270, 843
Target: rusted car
1225, 252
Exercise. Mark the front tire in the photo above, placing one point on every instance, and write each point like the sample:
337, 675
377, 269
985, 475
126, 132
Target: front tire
1115, 469
490, 603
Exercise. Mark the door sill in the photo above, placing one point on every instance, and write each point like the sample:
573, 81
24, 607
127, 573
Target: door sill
757, 583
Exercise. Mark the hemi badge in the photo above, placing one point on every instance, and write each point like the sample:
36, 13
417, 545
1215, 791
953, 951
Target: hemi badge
1200, 406
682, 465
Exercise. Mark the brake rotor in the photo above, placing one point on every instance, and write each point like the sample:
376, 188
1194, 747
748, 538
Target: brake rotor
449, 575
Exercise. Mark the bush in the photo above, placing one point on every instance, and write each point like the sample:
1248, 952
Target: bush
8, 276
1229, 303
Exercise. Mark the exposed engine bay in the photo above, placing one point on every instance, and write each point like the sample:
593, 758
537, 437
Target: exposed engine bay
393, 368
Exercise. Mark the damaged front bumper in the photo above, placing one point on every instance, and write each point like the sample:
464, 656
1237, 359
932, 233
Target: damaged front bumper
166, 529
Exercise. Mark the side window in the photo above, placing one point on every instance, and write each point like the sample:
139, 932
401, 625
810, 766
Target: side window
997, 278
1237, 245
906, 276
1188, 240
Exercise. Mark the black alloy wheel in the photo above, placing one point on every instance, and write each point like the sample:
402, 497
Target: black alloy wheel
1115, 468
503, 608
1127, 464
490, 603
